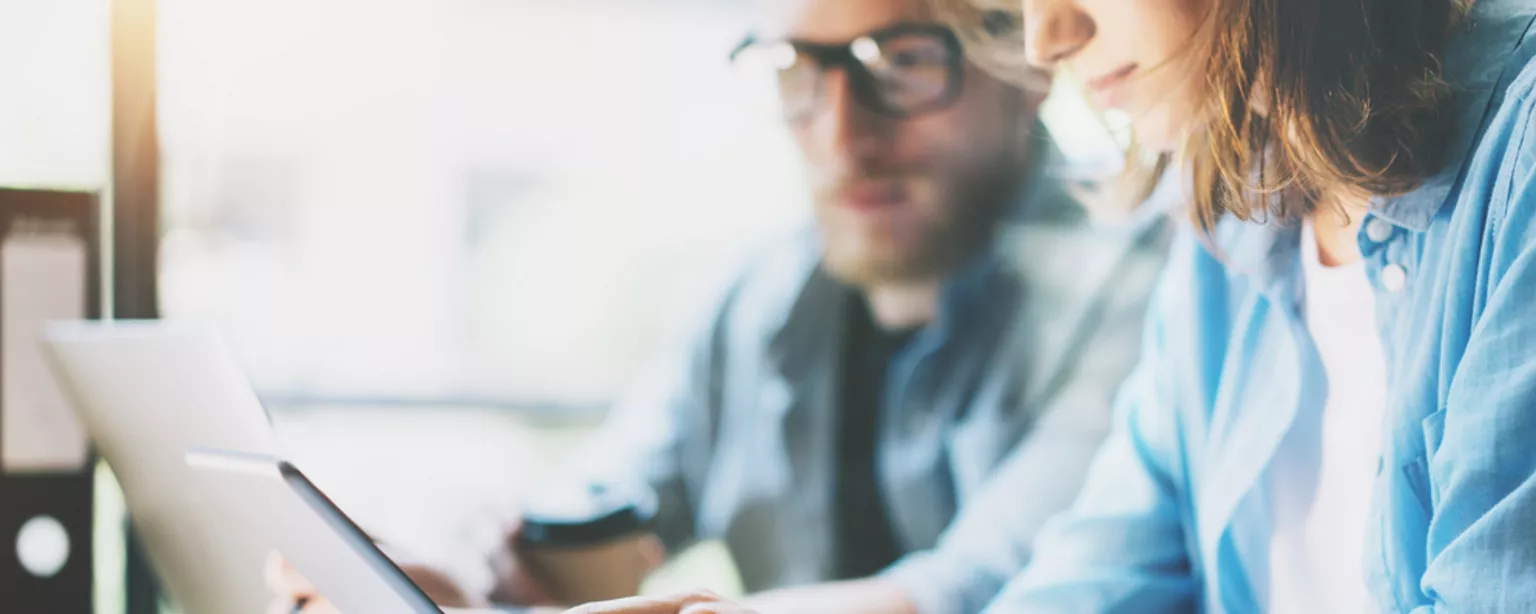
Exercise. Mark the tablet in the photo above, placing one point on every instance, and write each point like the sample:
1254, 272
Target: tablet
146, 391
270, 498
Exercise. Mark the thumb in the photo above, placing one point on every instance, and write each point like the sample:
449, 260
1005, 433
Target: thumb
653, 554
284, 580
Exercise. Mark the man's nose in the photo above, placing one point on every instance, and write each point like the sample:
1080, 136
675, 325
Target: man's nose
844, 122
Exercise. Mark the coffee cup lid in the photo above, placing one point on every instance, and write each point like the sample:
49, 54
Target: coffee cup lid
596, 514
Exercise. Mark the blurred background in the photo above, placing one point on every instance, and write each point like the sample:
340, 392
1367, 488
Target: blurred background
441, 235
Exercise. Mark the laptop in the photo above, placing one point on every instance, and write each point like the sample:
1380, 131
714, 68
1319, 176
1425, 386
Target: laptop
271, 498
146, 391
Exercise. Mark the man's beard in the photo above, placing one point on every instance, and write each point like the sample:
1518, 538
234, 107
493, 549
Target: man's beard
963, 226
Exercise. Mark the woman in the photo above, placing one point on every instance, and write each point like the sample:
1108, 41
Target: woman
1336, 407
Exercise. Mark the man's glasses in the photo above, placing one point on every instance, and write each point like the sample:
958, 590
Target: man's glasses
901, 71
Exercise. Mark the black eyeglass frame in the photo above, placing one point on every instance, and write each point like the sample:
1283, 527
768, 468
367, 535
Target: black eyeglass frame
861, 80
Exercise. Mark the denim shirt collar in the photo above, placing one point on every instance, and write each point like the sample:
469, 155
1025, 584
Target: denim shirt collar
964, 300
1474, 66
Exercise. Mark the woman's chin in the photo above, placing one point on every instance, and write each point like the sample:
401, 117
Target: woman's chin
1156, 132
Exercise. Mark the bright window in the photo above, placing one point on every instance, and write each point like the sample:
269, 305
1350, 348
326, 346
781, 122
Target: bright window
479, 200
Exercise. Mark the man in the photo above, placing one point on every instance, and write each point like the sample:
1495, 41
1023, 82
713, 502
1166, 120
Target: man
859, 385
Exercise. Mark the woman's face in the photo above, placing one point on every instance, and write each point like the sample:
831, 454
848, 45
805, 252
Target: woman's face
1136, 56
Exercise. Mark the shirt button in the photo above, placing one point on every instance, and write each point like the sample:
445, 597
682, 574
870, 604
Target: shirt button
1394, 278
1378, 230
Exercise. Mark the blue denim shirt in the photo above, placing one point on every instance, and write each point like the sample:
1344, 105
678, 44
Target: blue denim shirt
1016, 376
1174, 515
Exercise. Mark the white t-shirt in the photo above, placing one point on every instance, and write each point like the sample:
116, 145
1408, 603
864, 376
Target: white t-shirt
1321, 481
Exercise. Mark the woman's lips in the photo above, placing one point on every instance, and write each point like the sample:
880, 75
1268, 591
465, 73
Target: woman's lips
1108, 89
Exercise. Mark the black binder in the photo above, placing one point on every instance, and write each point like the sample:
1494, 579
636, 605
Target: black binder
35, 492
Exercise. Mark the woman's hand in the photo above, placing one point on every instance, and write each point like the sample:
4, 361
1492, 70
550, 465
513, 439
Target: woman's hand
698, 602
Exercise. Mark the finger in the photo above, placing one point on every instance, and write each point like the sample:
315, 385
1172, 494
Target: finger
284, 580
527, 589
512, 526
715, 608
438, 586
634, 605
274, 570
284, 605
672, 604
316, 606
653, 553
520, 579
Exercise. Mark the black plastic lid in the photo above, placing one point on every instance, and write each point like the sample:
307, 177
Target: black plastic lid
599, 515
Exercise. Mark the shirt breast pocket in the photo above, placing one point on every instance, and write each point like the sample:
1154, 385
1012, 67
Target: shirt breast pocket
1417, 472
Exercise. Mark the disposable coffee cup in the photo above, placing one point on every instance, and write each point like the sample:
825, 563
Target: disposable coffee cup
589, 544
